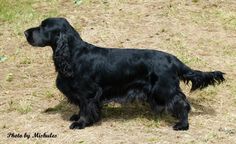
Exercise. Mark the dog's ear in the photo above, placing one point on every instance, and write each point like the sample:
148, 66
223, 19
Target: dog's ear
62, 56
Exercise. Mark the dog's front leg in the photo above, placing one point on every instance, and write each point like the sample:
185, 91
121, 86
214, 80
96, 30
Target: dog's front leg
90, 111
75, 117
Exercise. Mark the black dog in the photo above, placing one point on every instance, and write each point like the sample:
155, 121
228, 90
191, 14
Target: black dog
89, 75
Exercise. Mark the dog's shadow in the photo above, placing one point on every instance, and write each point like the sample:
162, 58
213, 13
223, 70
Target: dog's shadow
117, 112
198, 108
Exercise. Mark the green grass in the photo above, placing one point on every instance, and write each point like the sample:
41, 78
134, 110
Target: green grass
3, 58
21, 106
18, 14
207, 94
214, 15
188, 59
11, 10
9, 77
226, 18
130, 113
182, 51
84, 2
49, 94
78, 2
195, 1
63, 106
25, 60
152, 140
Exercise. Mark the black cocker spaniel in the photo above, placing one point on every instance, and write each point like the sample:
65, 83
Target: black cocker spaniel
89, 75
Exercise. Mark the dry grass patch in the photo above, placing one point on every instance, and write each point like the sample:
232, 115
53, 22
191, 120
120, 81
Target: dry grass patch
200, 33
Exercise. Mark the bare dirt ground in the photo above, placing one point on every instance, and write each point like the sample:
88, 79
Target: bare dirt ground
201, 33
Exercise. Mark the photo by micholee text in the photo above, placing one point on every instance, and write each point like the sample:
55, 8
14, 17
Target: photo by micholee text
33, 135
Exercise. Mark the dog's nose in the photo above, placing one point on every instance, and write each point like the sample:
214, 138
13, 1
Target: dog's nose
26, 33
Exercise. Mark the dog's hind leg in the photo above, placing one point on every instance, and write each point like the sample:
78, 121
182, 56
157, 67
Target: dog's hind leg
155, 107
166, 92
179, 107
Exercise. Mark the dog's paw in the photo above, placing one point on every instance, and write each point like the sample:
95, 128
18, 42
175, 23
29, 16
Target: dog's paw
78, 125
74, 117
181, 126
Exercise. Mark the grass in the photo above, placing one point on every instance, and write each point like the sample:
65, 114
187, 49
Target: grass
183, 52
213, 14
24, 10
227, 18
22, 106
135, 112
9, 77
49, 94
3, 58
200, 33
208, 94
63, 106
21, 8
152, 140
25, 60
20, 13
195, 1
17, 13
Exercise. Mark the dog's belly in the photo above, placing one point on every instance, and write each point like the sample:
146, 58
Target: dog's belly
131, 92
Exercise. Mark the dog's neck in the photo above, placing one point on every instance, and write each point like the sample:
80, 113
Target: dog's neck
63, 52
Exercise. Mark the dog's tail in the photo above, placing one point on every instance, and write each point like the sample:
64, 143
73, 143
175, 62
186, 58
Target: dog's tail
198, 78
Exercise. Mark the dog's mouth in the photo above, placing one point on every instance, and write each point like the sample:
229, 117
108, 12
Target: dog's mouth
27, 36
31, 41
35, 44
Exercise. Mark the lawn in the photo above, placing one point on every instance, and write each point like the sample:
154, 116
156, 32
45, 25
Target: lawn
200, 33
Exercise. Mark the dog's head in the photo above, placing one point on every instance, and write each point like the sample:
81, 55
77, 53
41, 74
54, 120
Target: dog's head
48, 32
59, 34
